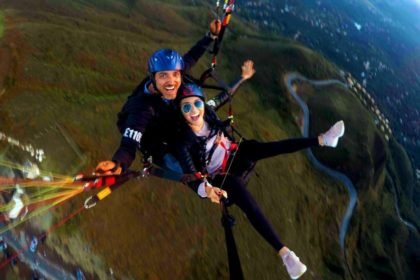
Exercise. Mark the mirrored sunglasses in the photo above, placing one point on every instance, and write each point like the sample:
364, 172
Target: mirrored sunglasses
187, 107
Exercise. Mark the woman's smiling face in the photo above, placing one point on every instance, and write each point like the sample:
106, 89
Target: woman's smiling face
192, 109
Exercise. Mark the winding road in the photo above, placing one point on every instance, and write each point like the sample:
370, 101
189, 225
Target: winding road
397, 209
290, 78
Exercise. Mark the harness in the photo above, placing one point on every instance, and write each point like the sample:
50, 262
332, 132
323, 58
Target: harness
228, 221
228, 151
228, 8
233, 147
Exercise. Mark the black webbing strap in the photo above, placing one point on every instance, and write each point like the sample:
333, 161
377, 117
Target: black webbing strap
235, 268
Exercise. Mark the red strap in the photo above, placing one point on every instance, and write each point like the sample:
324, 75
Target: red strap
233, 147
104, 181
109, 181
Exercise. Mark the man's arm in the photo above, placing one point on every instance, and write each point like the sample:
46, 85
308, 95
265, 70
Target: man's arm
196, 52
139, 114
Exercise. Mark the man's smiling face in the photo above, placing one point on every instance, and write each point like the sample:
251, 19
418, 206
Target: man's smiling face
168, 82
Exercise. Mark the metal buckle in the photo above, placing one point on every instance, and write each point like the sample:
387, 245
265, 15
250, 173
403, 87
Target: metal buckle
145, 172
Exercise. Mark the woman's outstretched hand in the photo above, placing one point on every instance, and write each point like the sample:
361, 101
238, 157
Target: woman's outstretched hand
215, 194
248, 69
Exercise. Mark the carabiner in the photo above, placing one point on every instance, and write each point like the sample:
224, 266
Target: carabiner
90, 202
145, 172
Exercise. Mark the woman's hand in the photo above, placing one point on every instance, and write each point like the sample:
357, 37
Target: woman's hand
108, 167
215, 194
248, 69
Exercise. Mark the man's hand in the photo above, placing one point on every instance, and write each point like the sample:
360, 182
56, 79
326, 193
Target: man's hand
215, 27
248, 69
107, 167
215, 194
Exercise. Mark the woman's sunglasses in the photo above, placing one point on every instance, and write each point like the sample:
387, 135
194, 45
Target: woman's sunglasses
186, 107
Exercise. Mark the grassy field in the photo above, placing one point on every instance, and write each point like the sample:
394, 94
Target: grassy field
77, 64
1, 24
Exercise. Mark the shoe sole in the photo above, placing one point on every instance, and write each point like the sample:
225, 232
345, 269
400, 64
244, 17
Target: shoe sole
339, 135
300, 274
344, 128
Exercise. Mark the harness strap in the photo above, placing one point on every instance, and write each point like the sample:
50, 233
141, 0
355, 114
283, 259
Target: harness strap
213, 148
233, 147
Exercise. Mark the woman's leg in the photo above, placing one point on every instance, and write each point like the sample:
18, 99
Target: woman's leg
250, 151
254, 150
238, 195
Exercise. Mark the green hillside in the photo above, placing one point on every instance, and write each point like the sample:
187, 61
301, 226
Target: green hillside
1, 24
376, 167
71, 67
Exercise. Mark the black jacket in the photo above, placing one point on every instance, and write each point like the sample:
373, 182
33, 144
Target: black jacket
191, 149
148, 126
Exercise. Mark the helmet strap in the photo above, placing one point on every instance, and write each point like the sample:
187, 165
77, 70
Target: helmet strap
153, 80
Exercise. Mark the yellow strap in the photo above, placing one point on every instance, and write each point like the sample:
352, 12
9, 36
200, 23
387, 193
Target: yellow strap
228, 19
104, 193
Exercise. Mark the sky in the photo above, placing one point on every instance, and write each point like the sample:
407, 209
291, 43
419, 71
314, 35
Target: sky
417, 2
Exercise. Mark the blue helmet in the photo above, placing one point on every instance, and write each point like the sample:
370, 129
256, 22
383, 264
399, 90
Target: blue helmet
189, 90
165, 60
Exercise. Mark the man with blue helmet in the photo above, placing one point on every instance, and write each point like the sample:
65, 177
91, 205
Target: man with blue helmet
146, 118
165, 67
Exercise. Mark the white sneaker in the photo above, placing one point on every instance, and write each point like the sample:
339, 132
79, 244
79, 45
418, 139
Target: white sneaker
330, 138
294, 266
